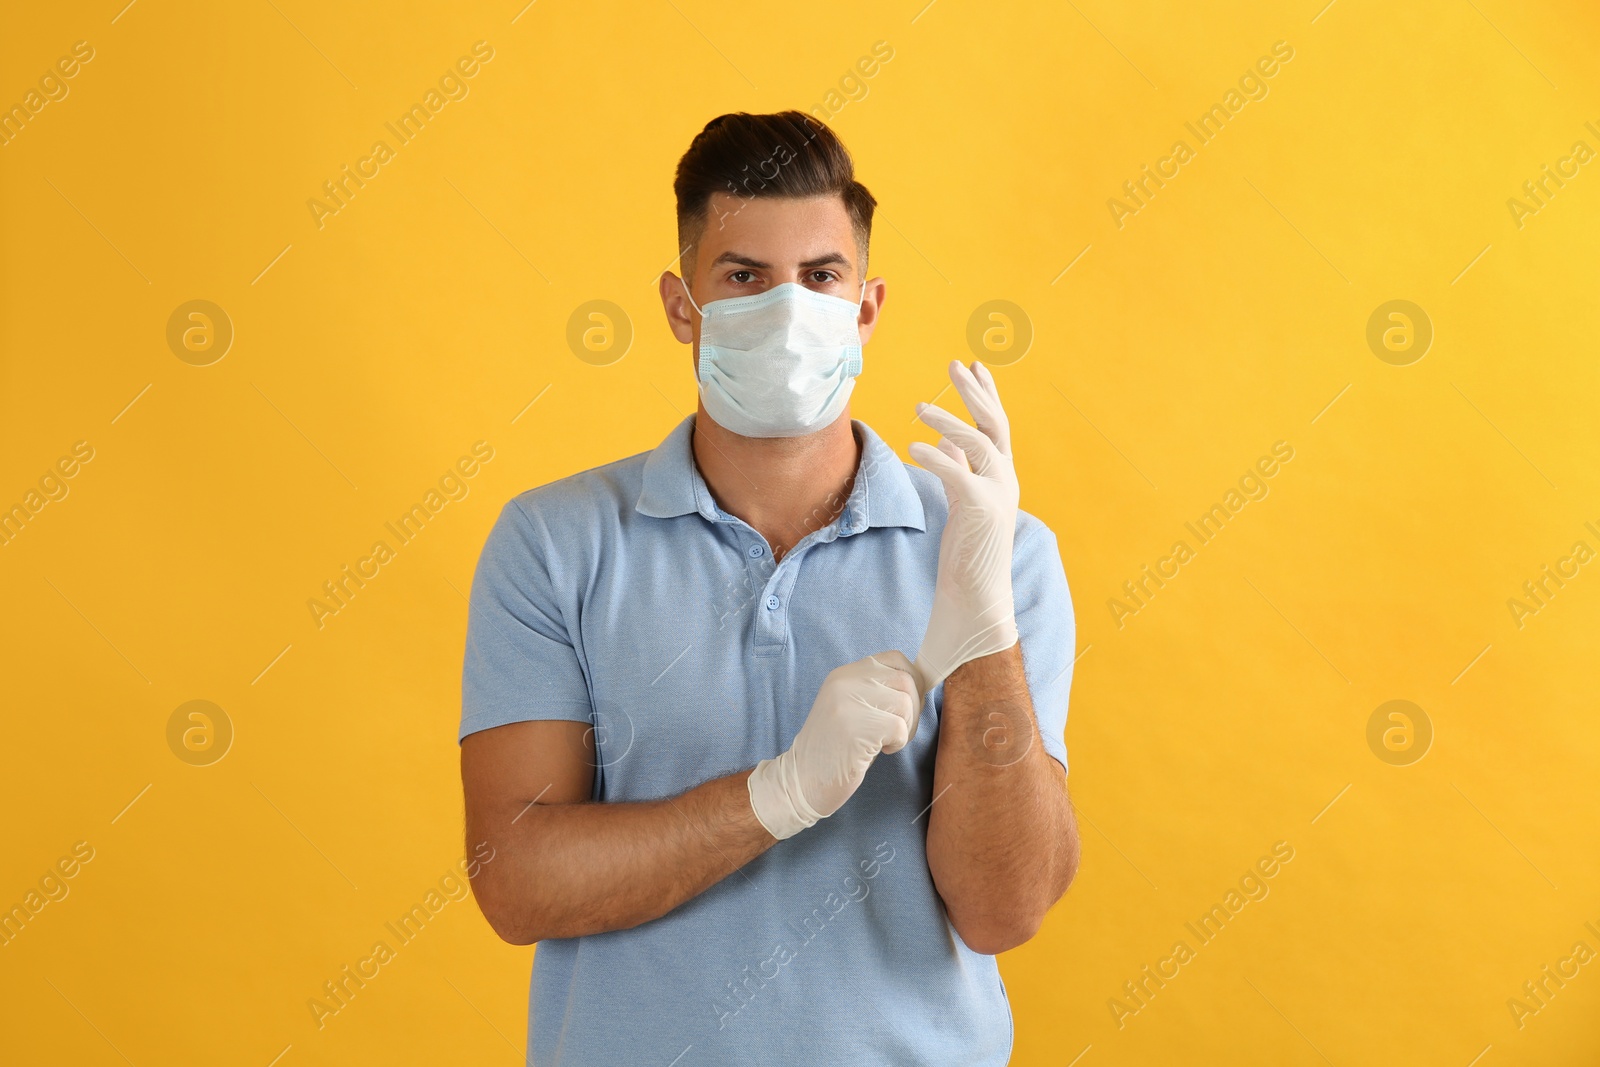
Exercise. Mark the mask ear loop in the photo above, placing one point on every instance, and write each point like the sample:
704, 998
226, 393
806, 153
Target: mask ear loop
692, 304
853, 364
701, 362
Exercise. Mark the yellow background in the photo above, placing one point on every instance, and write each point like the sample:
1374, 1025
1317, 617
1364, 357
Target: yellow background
1229, 313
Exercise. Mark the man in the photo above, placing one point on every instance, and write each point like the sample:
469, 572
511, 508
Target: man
742, 824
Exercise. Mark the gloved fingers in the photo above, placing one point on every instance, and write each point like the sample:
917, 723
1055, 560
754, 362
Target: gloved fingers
891, 716
979, 446
896, 671
949, 425
897, 698
897, 734
982, 397
931, 459
953, 450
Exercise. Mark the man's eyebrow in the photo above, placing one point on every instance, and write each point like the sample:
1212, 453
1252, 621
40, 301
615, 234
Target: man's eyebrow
829, 259
741, 259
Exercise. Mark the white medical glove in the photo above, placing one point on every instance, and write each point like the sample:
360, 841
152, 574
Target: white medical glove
973, 614
862, 708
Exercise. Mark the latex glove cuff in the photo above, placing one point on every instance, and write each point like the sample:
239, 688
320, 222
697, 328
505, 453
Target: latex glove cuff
777, 799
942, 653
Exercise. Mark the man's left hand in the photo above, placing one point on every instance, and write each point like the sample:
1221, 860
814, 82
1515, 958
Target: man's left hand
973, 614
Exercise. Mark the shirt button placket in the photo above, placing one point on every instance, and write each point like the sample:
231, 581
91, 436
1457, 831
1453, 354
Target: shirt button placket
772, 620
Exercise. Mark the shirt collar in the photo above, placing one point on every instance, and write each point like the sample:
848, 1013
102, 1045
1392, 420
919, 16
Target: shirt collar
883, 494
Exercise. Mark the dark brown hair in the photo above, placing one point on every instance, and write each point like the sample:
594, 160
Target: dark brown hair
787, 154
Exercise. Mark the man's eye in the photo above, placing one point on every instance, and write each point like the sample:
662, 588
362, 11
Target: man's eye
736, 278
822, 277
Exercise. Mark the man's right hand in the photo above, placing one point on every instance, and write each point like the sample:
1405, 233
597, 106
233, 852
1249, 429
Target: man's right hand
862, 708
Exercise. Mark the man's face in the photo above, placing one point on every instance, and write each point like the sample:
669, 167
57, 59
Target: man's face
751, 245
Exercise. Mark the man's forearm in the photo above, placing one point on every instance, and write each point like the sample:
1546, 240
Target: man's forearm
567, 870
1002, 842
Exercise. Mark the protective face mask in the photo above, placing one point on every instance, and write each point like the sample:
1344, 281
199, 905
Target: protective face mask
780, 363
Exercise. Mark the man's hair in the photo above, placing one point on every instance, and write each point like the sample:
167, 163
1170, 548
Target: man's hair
788, 154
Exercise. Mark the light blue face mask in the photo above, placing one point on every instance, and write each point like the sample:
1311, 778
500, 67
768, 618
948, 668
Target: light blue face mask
780, 363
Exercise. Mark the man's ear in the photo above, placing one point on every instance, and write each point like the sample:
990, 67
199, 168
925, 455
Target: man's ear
675, 303
871, 307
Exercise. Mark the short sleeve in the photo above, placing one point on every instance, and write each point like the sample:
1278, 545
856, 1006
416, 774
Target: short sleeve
520, 663
1047, 630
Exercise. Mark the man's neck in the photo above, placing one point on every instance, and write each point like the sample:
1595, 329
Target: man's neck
784, 487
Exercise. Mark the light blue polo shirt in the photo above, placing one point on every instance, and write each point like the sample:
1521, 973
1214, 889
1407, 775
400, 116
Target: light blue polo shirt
624, 597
